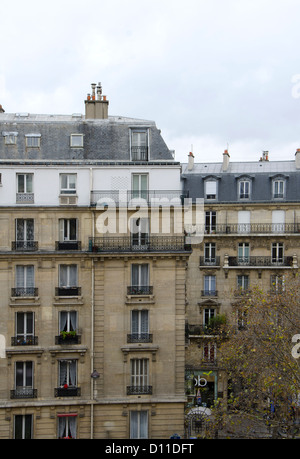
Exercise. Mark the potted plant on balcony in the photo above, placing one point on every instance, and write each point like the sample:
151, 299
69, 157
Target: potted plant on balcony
68, 335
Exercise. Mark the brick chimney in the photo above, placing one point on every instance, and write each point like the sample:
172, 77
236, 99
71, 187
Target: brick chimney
96, 105
225, 164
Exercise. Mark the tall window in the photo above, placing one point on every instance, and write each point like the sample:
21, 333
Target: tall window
68, 183
140, 186
24, 326
67, 426
210, 286
140, 325
139, 232
277, 283
68, 373
243, 283
244, 221
210, 221
277, 252
67, 276
209, 313
211, 189
140, 278
210, 253
278, 189
24, 280
138, 424
139, 380
139, 145
278, 221
244, 189
209, 352
25, 234
68, 229
243, 253
24, 379
23, 427
67, 321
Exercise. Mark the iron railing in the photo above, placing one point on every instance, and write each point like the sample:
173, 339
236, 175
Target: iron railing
210, 261
139, 153
24, 291
23, 392
67, 245
67, 291
67, 391
140, 290
139, 338
209, 292
144, 244
139, 390
249, 228
24, 340
24, 245
68, 339
260, 261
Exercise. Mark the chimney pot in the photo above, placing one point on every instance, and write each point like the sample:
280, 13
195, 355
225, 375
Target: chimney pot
297, 158
191, 161
226, 157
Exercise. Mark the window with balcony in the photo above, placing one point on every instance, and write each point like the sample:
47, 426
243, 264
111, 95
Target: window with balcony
242, 283
139, 233
23, 426
68, 234
139, 327
278, 221
210, 253
23, 381
243, 253
139, 380
210, 222
68, 328
277, 253
25, 188
25, 235
244, 217
209, 286
68, 281
139, 424
24, 329
140, 280
24, 281
67, 379
209, 352
139, 145
67, 425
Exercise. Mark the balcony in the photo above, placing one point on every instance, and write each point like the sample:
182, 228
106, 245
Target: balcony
67, 291
24, 340
140, 290
150, 197
139, 338
251, 228
144, 244
67, 245
25, 198
139, 390
23, 392
209, 292
139, 153
209, 261
260, 261
67, 391
24, 246
24, 292
68, 338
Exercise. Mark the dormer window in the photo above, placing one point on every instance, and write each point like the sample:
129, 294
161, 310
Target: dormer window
211, 189
278, 188
10, 138
33, 140
139, 145
244, 188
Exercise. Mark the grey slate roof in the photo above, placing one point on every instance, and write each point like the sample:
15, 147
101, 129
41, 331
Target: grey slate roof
106, 139
260, 173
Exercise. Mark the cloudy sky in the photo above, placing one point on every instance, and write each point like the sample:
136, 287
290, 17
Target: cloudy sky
212, 74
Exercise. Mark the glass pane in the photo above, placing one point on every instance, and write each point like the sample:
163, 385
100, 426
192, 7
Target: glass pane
21, 184
29, 183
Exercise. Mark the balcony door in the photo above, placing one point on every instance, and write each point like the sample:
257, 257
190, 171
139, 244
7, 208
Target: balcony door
140, 233
140, 186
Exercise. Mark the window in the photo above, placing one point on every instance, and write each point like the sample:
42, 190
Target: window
139, 232
139, 326
278, 189
67, 373
209, 286
24, 183
243, 283
278, 221
68, 229
244, 221
244, 189
24, 380
209, 313
25, 234
76, 140
277, 283
68, 183
138, 424
24, 327
243, 253
139, 145
210, 253
211, 189
10, 138
139, 379
210, 221
209, 352
23, 427
140, 186
24, 281
33, 140
68, 275
277, 252
140, 278
67, 426
67, 321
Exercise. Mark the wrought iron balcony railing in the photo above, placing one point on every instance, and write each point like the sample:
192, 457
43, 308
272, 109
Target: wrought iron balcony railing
139, 390
139, 153
23, 392
144, 244
209, 292
149, 197
67, 245
139, 338
68, 391
24, 291
250, 228
24, 340
140, 290
260, 261
210, 261
68, 338
67, 291
24, 246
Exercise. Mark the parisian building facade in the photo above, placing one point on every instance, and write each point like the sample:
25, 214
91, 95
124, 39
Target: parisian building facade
106, 296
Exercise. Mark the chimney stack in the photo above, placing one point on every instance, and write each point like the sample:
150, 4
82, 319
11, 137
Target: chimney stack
96, 108
191, 161
297, 158
225, 164
2, 109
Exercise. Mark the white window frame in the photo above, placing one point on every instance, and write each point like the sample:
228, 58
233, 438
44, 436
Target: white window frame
139, 424
137, 141
68, 275
278, 188
71, 186
22, 323
33, 140
211, 189
28, 183
244, 187
76, 140
10, 138
65, 229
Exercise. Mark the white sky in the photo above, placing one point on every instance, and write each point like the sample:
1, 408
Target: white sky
211, 74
